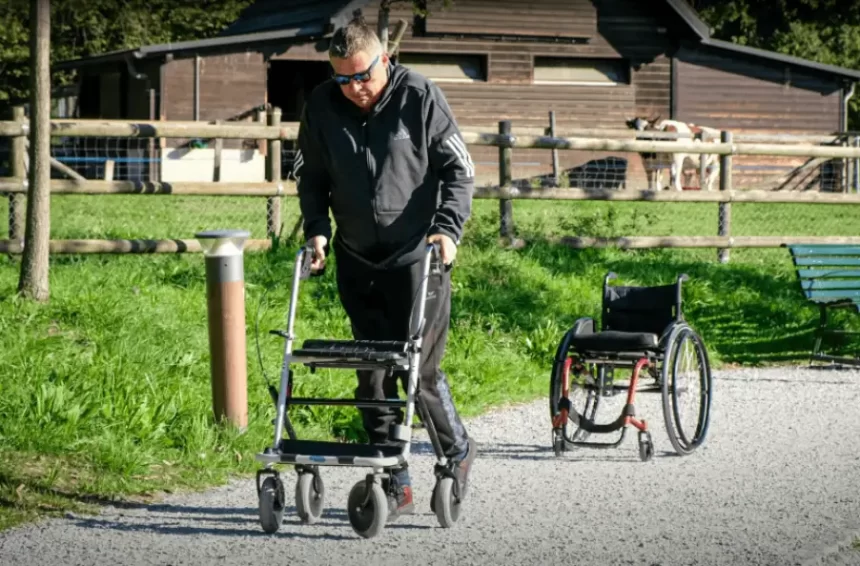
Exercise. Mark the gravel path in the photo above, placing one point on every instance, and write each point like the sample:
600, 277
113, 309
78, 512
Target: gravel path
776, 483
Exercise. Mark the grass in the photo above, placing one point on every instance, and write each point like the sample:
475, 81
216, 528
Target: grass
105, 391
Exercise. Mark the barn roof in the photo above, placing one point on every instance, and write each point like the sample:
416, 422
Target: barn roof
273, 21
263, 22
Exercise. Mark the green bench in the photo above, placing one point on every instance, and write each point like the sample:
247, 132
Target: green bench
829, 276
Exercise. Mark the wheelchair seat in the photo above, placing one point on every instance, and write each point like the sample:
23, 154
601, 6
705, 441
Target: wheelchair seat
615, 341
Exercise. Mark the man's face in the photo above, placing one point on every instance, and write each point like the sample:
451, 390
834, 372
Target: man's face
362, 93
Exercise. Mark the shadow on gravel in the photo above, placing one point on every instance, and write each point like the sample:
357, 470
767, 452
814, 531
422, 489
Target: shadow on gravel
184, 530
624, 453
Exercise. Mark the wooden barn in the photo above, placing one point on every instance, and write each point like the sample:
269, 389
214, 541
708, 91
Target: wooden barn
595, 63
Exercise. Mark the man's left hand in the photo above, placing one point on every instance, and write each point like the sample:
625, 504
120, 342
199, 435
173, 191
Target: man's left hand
446, 245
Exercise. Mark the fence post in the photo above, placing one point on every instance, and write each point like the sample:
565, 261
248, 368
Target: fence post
219, 150
506, 209
856, 167
725, 213
555, 150
18, 157
273, 204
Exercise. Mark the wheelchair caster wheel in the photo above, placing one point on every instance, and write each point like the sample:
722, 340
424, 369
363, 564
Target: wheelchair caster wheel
367, 508
271, 504
310, 497
446, 504
557, 442
646, 446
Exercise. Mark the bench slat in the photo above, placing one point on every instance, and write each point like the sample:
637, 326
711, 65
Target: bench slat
824, 249
828, 261
808, 284
853, 295
828, 273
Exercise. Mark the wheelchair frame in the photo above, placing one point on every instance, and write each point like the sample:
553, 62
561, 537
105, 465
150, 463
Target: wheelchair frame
368, 503
582, 352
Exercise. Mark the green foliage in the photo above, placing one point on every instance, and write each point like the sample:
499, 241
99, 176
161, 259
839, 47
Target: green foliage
825, 31
81, 28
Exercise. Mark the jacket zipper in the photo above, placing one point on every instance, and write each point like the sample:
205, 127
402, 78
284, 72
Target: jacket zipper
368, 162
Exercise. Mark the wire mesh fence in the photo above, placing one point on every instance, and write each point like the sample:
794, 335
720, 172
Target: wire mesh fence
604, 170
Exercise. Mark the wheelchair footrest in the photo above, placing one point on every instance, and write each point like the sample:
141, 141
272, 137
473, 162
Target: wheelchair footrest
335, 453
374, 351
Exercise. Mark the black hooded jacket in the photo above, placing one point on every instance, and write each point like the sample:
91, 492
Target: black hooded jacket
391, 176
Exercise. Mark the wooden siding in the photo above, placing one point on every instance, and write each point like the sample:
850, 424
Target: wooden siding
551, 18
618, 29
230, 85
730, 92
733, 93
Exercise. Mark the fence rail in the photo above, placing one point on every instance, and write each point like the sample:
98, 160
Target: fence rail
270, 133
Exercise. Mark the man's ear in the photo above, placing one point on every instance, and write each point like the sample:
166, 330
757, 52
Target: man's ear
385, 58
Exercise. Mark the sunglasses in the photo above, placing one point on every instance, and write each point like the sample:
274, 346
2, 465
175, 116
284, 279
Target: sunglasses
344, 80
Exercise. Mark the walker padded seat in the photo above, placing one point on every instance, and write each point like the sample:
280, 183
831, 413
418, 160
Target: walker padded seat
363, 350
615, 341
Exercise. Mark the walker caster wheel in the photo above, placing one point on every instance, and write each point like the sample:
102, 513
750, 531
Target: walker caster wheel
646, 446
446, 504
367, 508
310, 497
271, 504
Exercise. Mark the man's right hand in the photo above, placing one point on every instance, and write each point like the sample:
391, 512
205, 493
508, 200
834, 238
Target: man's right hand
318, 243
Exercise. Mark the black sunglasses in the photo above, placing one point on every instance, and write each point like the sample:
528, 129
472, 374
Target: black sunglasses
360, 77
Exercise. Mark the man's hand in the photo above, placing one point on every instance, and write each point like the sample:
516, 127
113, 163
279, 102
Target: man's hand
318, 243
446, 245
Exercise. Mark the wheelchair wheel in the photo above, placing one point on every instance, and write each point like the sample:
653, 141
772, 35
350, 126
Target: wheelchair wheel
686, 384
582, 393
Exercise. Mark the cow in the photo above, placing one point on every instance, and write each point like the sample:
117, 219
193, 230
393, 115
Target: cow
680, 164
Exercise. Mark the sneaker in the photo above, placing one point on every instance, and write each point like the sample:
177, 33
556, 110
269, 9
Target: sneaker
464, 466
400, 497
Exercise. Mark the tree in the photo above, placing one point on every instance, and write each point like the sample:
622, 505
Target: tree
825, 31
33, 282
81, 28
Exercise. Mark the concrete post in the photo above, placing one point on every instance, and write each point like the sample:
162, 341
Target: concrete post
225, 300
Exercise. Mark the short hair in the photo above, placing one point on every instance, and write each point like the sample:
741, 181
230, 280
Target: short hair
356, 36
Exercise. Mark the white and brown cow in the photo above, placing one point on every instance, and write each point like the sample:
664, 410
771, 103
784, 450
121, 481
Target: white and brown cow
679, 164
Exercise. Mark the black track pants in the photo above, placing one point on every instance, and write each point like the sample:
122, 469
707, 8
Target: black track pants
378, 304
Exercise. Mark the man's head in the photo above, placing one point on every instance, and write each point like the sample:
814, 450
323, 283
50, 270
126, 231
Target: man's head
360, 66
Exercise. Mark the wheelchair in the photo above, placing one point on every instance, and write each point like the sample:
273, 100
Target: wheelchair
367, 503
643, 329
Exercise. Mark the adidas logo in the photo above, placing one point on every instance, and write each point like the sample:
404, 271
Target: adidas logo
402, 134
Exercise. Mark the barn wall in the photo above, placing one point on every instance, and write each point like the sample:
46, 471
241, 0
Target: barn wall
230, 85
735, 93
620, 31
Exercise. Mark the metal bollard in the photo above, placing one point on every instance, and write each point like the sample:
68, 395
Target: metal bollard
225, 300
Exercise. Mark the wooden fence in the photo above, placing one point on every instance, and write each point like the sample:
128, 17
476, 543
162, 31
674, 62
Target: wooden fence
274, 133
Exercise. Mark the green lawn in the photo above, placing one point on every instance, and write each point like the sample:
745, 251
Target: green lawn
105, 390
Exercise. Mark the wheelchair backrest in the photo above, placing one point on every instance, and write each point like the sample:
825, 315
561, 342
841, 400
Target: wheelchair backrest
640, 309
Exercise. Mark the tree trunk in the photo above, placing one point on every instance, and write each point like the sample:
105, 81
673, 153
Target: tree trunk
33, 282
382, 24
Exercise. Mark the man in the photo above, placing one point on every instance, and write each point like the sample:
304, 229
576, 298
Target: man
379, 147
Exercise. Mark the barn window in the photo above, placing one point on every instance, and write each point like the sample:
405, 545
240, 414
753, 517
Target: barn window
576, 71
447, 67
